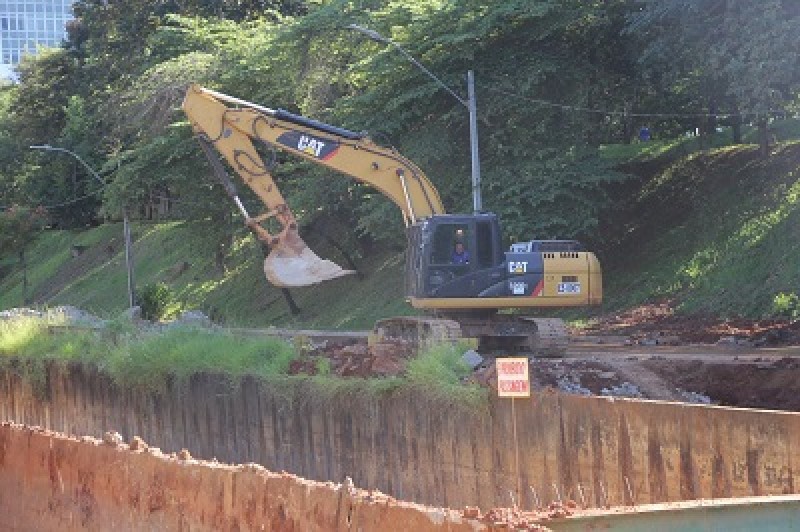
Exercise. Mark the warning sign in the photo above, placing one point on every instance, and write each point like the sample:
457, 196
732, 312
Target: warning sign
512, 377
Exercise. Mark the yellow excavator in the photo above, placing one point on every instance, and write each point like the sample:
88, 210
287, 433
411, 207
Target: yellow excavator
456, 267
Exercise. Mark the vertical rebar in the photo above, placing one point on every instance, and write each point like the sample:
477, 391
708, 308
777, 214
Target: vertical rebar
630, 492
535, 498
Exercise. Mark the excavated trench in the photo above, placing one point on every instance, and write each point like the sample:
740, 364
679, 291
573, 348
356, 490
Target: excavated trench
768, 382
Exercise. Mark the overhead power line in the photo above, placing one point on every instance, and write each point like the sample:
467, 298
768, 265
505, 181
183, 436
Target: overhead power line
63, 203
578, 108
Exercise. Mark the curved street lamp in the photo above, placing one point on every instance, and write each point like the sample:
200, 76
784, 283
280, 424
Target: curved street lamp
47, 147
126, 227
469, 103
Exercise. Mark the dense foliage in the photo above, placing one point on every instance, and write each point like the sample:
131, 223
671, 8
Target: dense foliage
556, 79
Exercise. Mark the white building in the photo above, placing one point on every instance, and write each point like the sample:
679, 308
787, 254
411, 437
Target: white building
26, 24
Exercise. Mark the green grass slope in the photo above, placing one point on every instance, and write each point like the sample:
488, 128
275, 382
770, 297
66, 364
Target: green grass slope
239, 297
717, 232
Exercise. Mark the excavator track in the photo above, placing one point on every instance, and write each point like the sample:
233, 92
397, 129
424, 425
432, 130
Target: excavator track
417, 331
510, 334
495, 333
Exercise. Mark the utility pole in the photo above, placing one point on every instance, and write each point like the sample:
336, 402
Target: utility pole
473, 144
469, 103
126, 230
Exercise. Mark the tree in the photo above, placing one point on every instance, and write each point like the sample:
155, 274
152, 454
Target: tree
541, 171
40, 101
18, 227
739, 57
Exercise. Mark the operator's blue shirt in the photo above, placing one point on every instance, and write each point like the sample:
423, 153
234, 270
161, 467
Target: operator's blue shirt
460, 258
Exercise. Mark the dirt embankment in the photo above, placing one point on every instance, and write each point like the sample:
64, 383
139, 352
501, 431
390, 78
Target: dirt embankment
52, 482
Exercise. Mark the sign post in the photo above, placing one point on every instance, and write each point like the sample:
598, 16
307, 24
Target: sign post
513, 381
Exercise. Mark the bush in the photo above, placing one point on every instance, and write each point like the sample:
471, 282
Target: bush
441, 373
786, 305
155, 299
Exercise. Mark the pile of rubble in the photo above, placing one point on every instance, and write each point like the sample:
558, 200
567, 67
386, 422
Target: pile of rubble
355, 360
63, 315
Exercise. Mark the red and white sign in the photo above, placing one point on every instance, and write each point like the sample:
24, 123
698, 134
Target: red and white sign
512, 377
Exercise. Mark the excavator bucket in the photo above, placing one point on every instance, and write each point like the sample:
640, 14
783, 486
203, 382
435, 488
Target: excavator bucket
291, 263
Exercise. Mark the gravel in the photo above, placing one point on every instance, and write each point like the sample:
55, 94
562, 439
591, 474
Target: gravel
568, 385
63, 315
693, 397
625, 389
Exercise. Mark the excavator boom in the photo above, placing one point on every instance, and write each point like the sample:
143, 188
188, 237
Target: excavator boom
231, 125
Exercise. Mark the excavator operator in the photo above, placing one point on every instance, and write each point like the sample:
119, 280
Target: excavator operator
460, 255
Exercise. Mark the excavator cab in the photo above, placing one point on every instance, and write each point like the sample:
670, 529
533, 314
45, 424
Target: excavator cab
454, 255
459, 262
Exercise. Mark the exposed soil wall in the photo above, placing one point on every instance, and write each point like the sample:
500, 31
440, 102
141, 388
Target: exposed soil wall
593, 450
52, 482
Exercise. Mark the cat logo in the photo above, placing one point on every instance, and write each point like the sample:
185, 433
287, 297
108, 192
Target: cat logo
320, 148
517, 266
310, 145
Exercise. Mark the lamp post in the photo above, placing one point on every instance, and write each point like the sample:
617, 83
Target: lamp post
469, 103
126, 227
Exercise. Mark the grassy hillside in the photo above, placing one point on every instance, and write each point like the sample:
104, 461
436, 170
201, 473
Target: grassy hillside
715, 232
97, 280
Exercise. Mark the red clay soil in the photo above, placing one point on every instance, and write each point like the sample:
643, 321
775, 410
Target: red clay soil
657, 319
355, 360
50, 481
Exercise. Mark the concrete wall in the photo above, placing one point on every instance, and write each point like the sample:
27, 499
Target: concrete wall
593, 450
51, 482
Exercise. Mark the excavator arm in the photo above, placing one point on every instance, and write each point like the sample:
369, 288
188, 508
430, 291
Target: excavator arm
230, 126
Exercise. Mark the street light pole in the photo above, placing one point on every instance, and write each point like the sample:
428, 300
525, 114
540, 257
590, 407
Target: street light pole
470, 103
473, 144
126, 230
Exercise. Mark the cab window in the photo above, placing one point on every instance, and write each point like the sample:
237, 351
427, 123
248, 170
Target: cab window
484, 254
445, 239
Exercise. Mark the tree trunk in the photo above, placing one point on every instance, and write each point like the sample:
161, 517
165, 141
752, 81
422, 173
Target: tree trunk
736, 124
287, 295
701, 137
24, 277
627, 124
711, 123
219, 257
763, 136
593, 120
